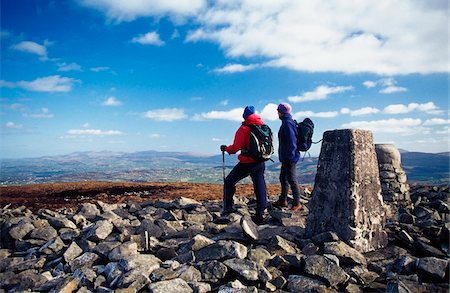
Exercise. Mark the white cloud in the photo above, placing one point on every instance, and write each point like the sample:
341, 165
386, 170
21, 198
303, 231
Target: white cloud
8, 84
54, 83
94, 132
44, 113
437, 121
232, 68
112, 101
166, 114
360, 112
320, 93
224, 102
131, 9
402, 126
429, 108
69, 67
155, 135
12, 125
270, 112
304, 114
31, 47
369, 84
232, 115
393, 89
100, 68
215, 139
150, 38
86, 125
331, 35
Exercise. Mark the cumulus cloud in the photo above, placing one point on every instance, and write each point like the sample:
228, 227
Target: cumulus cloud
12, 125
319, 93
69, 67
327, 114
360, 112
150, 38
132, 9
437, 121
233, 68
44, 113
94, 132
33, 48
112, 101
429, 108
388, 85
53, 83
402, 126
270, 112
231, 115
166, 114
355, 37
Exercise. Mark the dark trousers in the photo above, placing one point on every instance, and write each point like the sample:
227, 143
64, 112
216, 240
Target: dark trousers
239, 172
288, 177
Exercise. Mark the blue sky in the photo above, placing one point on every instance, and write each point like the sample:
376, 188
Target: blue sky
111, 75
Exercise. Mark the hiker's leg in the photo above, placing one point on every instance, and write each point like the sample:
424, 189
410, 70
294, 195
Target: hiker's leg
259, 185
291, 175
239, 172
284, 183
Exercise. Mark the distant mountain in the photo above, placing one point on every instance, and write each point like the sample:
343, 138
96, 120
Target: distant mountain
182, 166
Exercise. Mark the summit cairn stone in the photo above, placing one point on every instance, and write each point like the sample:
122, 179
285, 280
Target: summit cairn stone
393, 179
347, 193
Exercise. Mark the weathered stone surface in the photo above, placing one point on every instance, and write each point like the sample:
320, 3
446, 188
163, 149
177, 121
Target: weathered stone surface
72, 252
248, 269
347, 193
21, 230
249, 227
175, 285
298, 283
89, 211
221, 250
123, 251
346, 254
320, 267
100, 230
433, 266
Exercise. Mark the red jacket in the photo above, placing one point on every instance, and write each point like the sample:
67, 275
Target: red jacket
242, 139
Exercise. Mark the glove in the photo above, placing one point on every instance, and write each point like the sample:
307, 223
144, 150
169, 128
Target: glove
223, 148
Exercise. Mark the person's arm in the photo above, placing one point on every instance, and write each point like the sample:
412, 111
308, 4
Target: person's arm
238, 143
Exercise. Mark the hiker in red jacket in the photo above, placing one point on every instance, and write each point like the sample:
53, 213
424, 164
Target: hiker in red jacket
246, 166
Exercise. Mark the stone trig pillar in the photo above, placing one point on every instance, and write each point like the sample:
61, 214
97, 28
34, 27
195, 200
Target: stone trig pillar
347, 195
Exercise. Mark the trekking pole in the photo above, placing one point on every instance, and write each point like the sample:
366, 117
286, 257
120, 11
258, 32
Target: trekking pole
223, 165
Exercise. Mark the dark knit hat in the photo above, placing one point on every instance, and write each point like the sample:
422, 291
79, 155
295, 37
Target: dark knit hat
284, 108
249, 110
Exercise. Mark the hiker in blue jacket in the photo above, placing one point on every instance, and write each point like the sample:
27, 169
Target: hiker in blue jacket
289, 156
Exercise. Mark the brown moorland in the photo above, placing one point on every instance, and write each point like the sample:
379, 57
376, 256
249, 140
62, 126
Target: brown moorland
70, 194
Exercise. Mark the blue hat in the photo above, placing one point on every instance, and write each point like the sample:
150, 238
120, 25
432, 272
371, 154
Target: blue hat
249, 110
284, 108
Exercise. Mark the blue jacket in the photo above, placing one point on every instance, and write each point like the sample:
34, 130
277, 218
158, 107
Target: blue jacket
287, 140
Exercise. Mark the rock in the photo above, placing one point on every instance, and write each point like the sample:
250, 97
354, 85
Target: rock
346, 254
87, 259
189, 273
328, 236
432, 266
212, 271
175, 285
100, 230
123, 251
89, 211
347, 194
298, 283
21, 230
249, 227
221, 250
320, 267
248, 269
72, 252
259, 255
45, 233
281, 245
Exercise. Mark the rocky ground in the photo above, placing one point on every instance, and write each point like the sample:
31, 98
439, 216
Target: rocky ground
110, 238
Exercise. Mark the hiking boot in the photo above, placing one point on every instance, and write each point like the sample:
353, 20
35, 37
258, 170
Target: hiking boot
280, 204
258, 219
296, 207
226, 212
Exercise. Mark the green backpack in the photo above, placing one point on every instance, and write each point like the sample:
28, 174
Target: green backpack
261, 142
